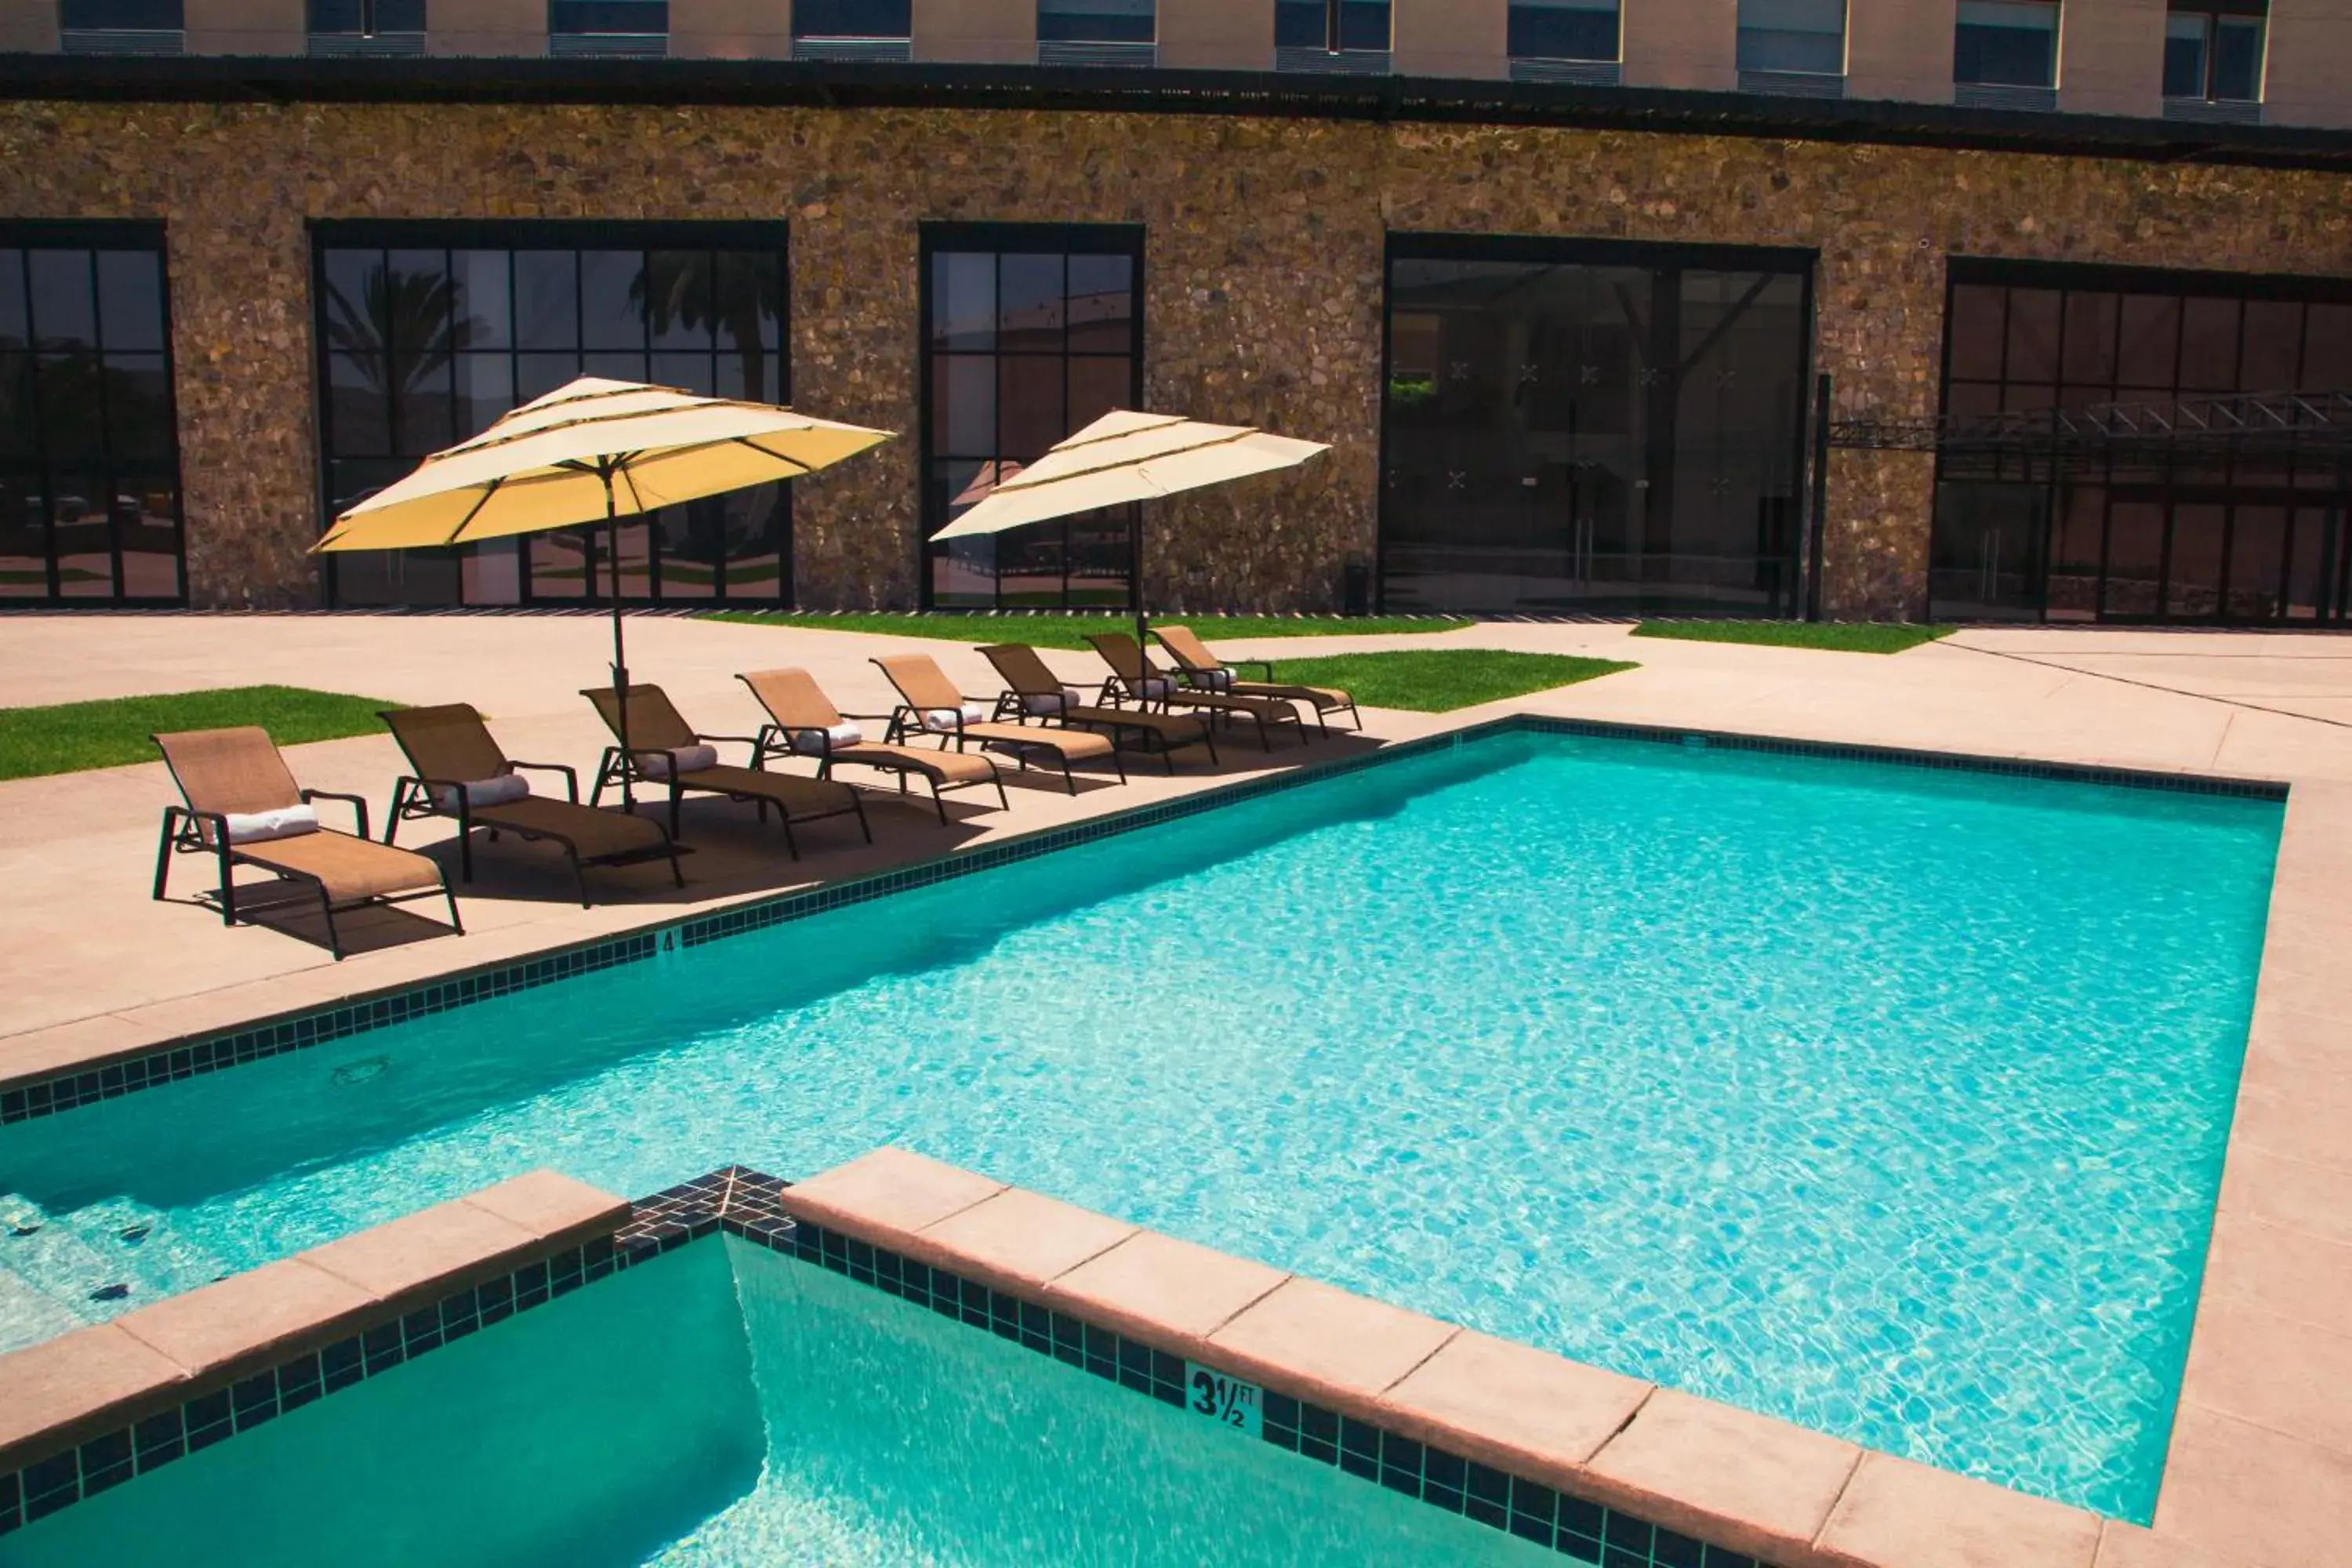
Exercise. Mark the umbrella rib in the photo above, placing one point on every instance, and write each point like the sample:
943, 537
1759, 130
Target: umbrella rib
771, 452
1022, 481
456, 534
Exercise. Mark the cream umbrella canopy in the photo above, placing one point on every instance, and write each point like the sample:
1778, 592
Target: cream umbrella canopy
1126, 456
589, 451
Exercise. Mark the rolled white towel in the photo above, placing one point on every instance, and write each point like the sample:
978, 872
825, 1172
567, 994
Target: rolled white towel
836, 736
482, 791
942, 720
286, 822
1213, 679
690, 759
1156, 687
1047, 702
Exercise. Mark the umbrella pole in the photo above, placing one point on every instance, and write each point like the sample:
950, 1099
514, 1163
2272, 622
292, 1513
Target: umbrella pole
620, 655
1142, 639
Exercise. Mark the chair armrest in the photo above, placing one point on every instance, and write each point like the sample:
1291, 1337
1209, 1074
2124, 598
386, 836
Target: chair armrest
570, 775
1265, 665
357, 803
751, 742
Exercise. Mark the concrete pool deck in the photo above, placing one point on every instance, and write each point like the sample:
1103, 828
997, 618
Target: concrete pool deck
2260, 1470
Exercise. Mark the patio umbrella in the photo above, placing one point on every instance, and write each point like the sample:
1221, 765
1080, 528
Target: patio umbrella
593, 450
1126, 456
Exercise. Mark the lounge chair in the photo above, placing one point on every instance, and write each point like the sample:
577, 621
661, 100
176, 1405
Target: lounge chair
663, 749
1033, 692
244, 808
804, 722
461, 774
931, 705
1209, 673
1135, 679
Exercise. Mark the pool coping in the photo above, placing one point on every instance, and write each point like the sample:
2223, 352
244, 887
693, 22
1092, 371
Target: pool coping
1598, 1467
87, 1074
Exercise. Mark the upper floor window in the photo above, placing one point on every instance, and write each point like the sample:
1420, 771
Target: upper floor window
853, 19
367, 18
2214, 50
2006, 43
1796, 37
119, 16
604, 26
1563, 29
1346, 26
1096, 21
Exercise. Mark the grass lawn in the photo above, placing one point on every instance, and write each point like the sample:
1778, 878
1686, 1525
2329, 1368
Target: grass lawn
1070, 631
1439, 680
1838, 637
72, 736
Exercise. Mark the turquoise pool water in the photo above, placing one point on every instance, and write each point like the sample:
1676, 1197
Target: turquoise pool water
1887, 1100
682, 1416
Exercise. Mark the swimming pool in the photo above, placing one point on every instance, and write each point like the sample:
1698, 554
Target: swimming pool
722, 1407
1885, 1099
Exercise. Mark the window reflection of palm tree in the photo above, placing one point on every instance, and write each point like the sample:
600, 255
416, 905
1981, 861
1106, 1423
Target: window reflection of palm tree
734, 294
402, 332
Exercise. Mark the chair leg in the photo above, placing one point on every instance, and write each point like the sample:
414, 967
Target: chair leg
227, 888
164, 851
939, 802
334, 938
1069, 782
674, 798
579, 875
392, 821
790, 844
676, 874
455, 924
864, 827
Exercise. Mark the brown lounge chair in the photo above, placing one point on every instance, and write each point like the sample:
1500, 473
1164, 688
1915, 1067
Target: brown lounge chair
1209, 673
657, 735
227, 774
454, 758
932, 706
1035, 692
1135, 679
805, 723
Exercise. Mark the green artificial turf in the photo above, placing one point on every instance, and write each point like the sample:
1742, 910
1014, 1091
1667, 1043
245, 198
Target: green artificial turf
1439, 680
1838, 637
1070, 631
72, 736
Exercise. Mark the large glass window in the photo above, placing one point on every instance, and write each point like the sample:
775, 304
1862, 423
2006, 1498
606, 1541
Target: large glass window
1797, 37
639, 21
1352, 26
2006, 43
1590, 426
89, 468
2214, 50
2197, 530
1563, 29
1096, 21
1029, 335
820, 19
428, 333
366, 18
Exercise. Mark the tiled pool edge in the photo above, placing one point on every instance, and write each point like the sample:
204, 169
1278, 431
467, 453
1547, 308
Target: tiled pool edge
109, 1073
1877, 1516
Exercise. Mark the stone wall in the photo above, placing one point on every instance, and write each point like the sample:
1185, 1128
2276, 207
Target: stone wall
1263, 270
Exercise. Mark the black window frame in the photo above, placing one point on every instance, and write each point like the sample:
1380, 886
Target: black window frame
803, 9
1523, 22
2213, 14
1128, 239
29, 235
577, 235
1970, 67
1087, 24
564, 18
2223, 485
1802, 261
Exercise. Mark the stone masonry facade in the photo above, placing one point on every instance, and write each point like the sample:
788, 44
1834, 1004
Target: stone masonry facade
1263, 270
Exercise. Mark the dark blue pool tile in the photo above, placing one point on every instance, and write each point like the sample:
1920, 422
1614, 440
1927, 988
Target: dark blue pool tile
298, 1383
105, 1461
1280, 1409
51, 1485
12, 1500
1488, 1484
256, 1400
1486, 1512
565, 1272
1578, 1547
1443, 1470
1672, 1548
207, 1419
341, 1365
1626, 1531
384, 1348
459, 1315
1537, 1502
530, 1286
158, 1439
1618, 1557
421, 1331
1582, 1516
494, 1299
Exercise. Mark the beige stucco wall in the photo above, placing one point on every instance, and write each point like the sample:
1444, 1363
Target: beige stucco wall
730, 29
246, 26
2309, 78
1217, 35
487, 27
2111, 57
1265, 284
28, 25
998, 30
1452, 37
1681, 43
1900, 48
